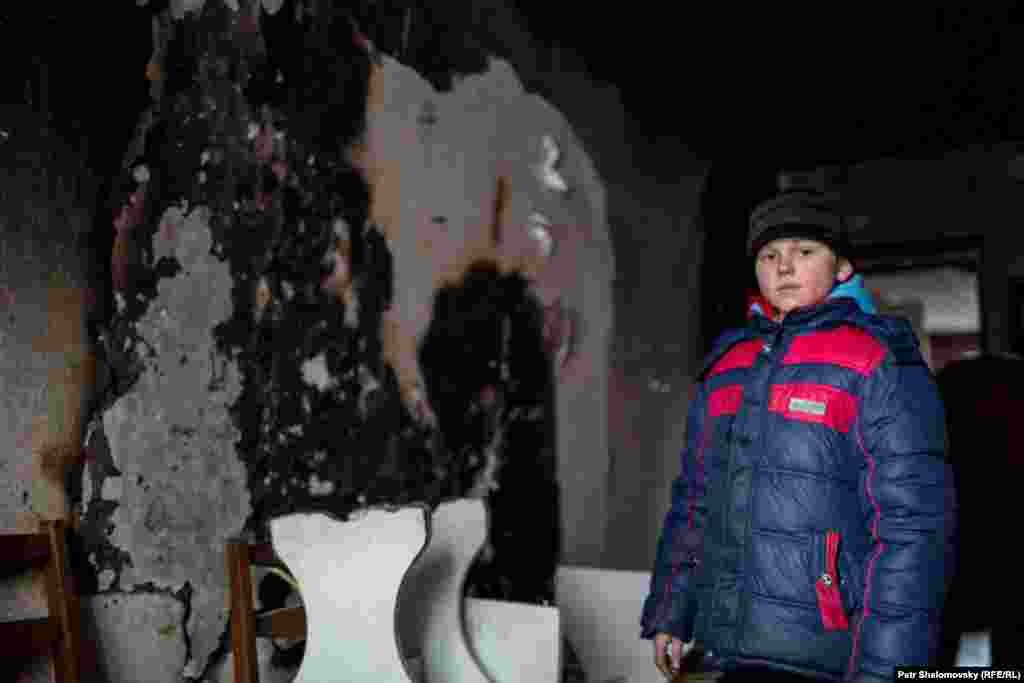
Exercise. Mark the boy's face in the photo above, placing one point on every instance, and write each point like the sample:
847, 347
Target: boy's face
793, 273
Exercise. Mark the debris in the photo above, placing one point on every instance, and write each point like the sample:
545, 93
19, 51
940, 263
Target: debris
320, 487
539, 232
315, 373
549, 175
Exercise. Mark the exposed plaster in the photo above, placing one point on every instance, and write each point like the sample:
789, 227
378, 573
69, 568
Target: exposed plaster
156, 622
481, 147
183, 490
525, 218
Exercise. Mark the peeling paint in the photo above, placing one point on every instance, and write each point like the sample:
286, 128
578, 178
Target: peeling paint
318, 487
106, 579
293, 394
539, 232
315, 373
351, 301
179, 8
370, 386
113, 488
546, 171
535, 226
87, 491
175, 525
111, 616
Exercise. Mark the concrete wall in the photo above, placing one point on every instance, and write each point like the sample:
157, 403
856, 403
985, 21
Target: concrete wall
614, 504
44, 347
489, 143
652, 189
655, 355
47, 364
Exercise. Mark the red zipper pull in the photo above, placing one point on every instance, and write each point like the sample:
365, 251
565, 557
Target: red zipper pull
830, 602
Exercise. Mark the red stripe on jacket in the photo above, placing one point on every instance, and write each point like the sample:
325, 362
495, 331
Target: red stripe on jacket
876, 553
741, 355
846, 346
725, 400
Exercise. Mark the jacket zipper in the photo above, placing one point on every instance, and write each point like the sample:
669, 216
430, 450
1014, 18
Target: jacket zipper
830, 603
768, 349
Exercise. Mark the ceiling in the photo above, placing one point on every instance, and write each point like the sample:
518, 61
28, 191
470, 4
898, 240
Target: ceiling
836, 87
848, 85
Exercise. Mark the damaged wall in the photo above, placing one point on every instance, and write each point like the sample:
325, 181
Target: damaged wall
47, 364
615, 494
443, 235
44, 343
284, 290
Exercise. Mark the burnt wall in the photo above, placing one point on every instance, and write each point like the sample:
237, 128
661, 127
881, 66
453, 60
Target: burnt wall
403, 293
287, 335
47, 360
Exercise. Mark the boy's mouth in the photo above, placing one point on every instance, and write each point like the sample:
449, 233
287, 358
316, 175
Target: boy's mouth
788, 288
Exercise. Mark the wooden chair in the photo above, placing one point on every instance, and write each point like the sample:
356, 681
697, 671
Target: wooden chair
246, 624
57, 634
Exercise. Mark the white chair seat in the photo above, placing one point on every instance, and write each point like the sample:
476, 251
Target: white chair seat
361, 579
349, 575
430, 609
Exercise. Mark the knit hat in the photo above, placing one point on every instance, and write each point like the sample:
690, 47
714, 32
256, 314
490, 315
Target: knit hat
798, 214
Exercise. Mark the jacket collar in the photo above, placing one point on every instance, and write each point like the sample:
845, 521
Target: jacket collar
854, 292
828, 312
848, 301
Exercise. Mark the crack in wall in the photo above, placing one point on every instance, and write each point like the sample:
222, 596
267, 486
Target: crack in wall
185, 596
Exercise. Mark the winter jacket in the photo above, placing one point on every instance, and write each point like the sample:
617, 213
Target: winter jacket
811, 525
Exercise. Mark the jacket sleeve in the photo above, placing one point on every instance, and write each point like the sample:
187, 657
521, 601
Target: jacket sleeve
909, 505
671, 606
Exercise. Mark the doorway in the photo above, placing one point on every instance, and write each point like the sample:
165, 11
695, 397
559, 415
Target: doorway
936, 286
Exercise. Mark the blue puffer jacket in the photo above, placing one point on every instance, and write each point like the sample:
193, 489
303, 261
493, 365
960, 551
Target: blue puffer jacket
810, 528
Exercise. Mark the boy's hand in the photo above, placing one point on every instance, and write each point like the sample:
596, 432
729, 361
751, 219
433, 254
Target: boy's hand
669, 653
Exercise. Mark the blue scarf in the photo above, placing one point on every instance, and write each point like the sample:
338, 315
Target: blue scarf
855, 289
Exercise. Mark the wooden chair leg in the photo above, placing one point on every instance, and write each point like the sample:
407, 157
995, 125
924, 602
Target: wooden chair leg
243, 621
63, 603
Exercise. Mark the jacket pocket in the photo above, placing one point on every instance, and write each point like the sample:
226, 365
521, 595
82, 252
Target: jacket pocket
826, 582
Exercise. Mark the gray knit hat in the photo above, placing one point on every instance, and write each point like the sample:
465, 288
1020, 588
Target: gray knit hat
800, 213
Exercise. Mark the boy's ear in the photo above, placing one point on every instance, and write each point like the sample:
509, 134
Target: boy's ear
844, 269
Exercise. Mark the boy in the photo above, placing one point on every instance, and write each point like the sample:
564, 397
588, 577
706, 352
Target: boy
810, 528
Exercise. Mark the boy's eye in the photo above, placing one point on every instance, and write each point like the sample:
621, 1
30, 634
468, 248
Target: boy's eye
807, 251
